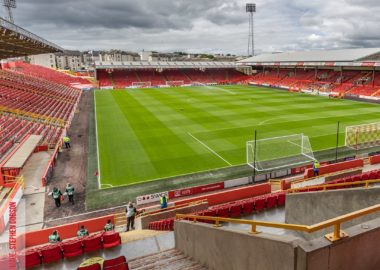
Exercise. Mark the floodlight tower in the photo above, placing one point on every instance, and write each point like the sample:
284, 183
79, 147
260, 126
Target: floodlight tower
250, 8
9, 4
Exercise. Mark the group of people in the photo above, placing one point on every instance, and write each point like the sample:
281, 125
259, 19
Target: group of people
59, 197
131, 212
82, 232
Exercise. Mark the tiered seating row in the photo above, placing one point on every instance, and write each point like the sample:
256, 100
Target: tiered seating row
67, 249
232, 210
28, 95
372, 175
125, 78
352, 82
46, 73
14, 129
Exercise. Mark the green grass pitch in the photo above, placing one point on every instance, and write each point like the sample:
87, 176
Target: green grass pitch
147, 134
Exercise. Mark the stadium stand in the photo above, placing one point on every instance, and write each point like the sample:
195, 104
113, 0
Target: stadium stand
45, 73
121, 78
339, 72
32, 105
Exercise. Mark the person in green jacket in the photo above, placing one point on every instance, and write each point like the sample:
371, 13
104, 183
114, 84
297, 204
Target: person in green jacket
70, 193
82, 232
109, 226
66, 140
54, 237
56, 194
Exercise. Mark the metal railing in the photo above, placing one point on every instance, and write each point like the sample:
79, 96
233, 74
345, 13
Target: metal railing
327, 186
337, 234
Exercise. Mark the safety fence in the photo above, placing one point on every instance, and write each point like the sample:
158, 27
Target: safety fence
337, 233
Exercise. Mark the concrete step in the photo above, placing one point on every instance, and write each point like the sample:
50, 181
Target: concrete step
167, 260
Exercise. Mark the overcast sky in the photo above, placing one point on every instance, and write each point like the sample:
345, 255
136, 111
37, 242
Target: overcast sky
210, 26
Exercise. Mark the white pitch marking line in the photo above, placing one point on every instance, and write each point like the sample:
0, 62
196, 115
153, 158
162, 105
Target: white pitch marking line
97, 143
265, 121
221, 89
107, 185
215, 153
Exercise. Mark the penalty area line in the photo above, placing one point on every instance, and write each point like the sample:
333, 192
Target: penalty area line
211, 150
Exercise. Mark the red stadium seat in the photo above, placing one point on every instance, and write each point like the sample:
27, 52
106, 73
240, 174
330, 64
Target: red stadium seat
281, 199
222, 211
92, 243
111, 239
271, 201
364, 176
72, 248
169, 224
95, 266
373, 175
259, 204
248, 207
209, 213
115, 261
28, 259
51, 253
235, 210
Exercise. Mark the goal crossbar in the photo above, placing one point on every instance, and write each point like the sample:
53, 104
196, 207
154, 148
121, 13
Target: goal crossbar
279, 152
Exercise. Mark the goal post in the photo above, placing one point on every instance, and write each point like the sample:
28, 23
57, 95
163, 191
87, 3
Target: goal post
279, 152
363, 136
141, 84
175, 83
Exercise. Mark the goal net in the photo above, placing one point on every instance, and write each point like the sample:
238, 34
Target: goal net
175, 83
141, 84
363, 136
279, 152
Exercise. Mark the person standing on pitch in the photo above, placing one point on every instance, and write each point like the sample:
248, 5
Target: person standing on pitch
131, 213
66, 140
316, 167
56, 194
70, 193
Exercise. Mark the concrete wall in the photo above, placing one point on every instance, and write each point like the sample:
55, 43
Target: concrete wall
313, 207
359, 251
143, 222
229, 249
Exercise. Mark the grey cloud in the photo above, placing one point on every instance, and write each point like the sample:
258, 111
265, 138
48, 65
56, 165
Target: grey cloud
202, 25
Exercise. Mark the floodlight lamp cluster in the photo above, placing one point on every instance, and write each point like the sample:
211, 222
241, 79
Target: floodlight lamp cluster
250, 7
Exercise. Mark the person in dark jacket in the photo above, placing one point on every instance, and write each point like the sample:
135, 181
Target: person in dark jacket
131, 214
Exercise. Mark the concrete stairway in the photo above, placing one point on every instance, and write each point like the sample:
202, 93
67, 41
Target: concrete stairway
171, 259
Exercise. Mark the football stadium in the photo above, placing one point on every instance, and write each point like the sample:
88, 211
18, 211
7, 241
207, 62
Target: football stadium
269, 161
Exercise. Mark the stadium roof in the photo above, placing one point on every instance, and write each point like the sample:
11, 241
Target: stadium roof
16, 41
162, 64
347, 55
